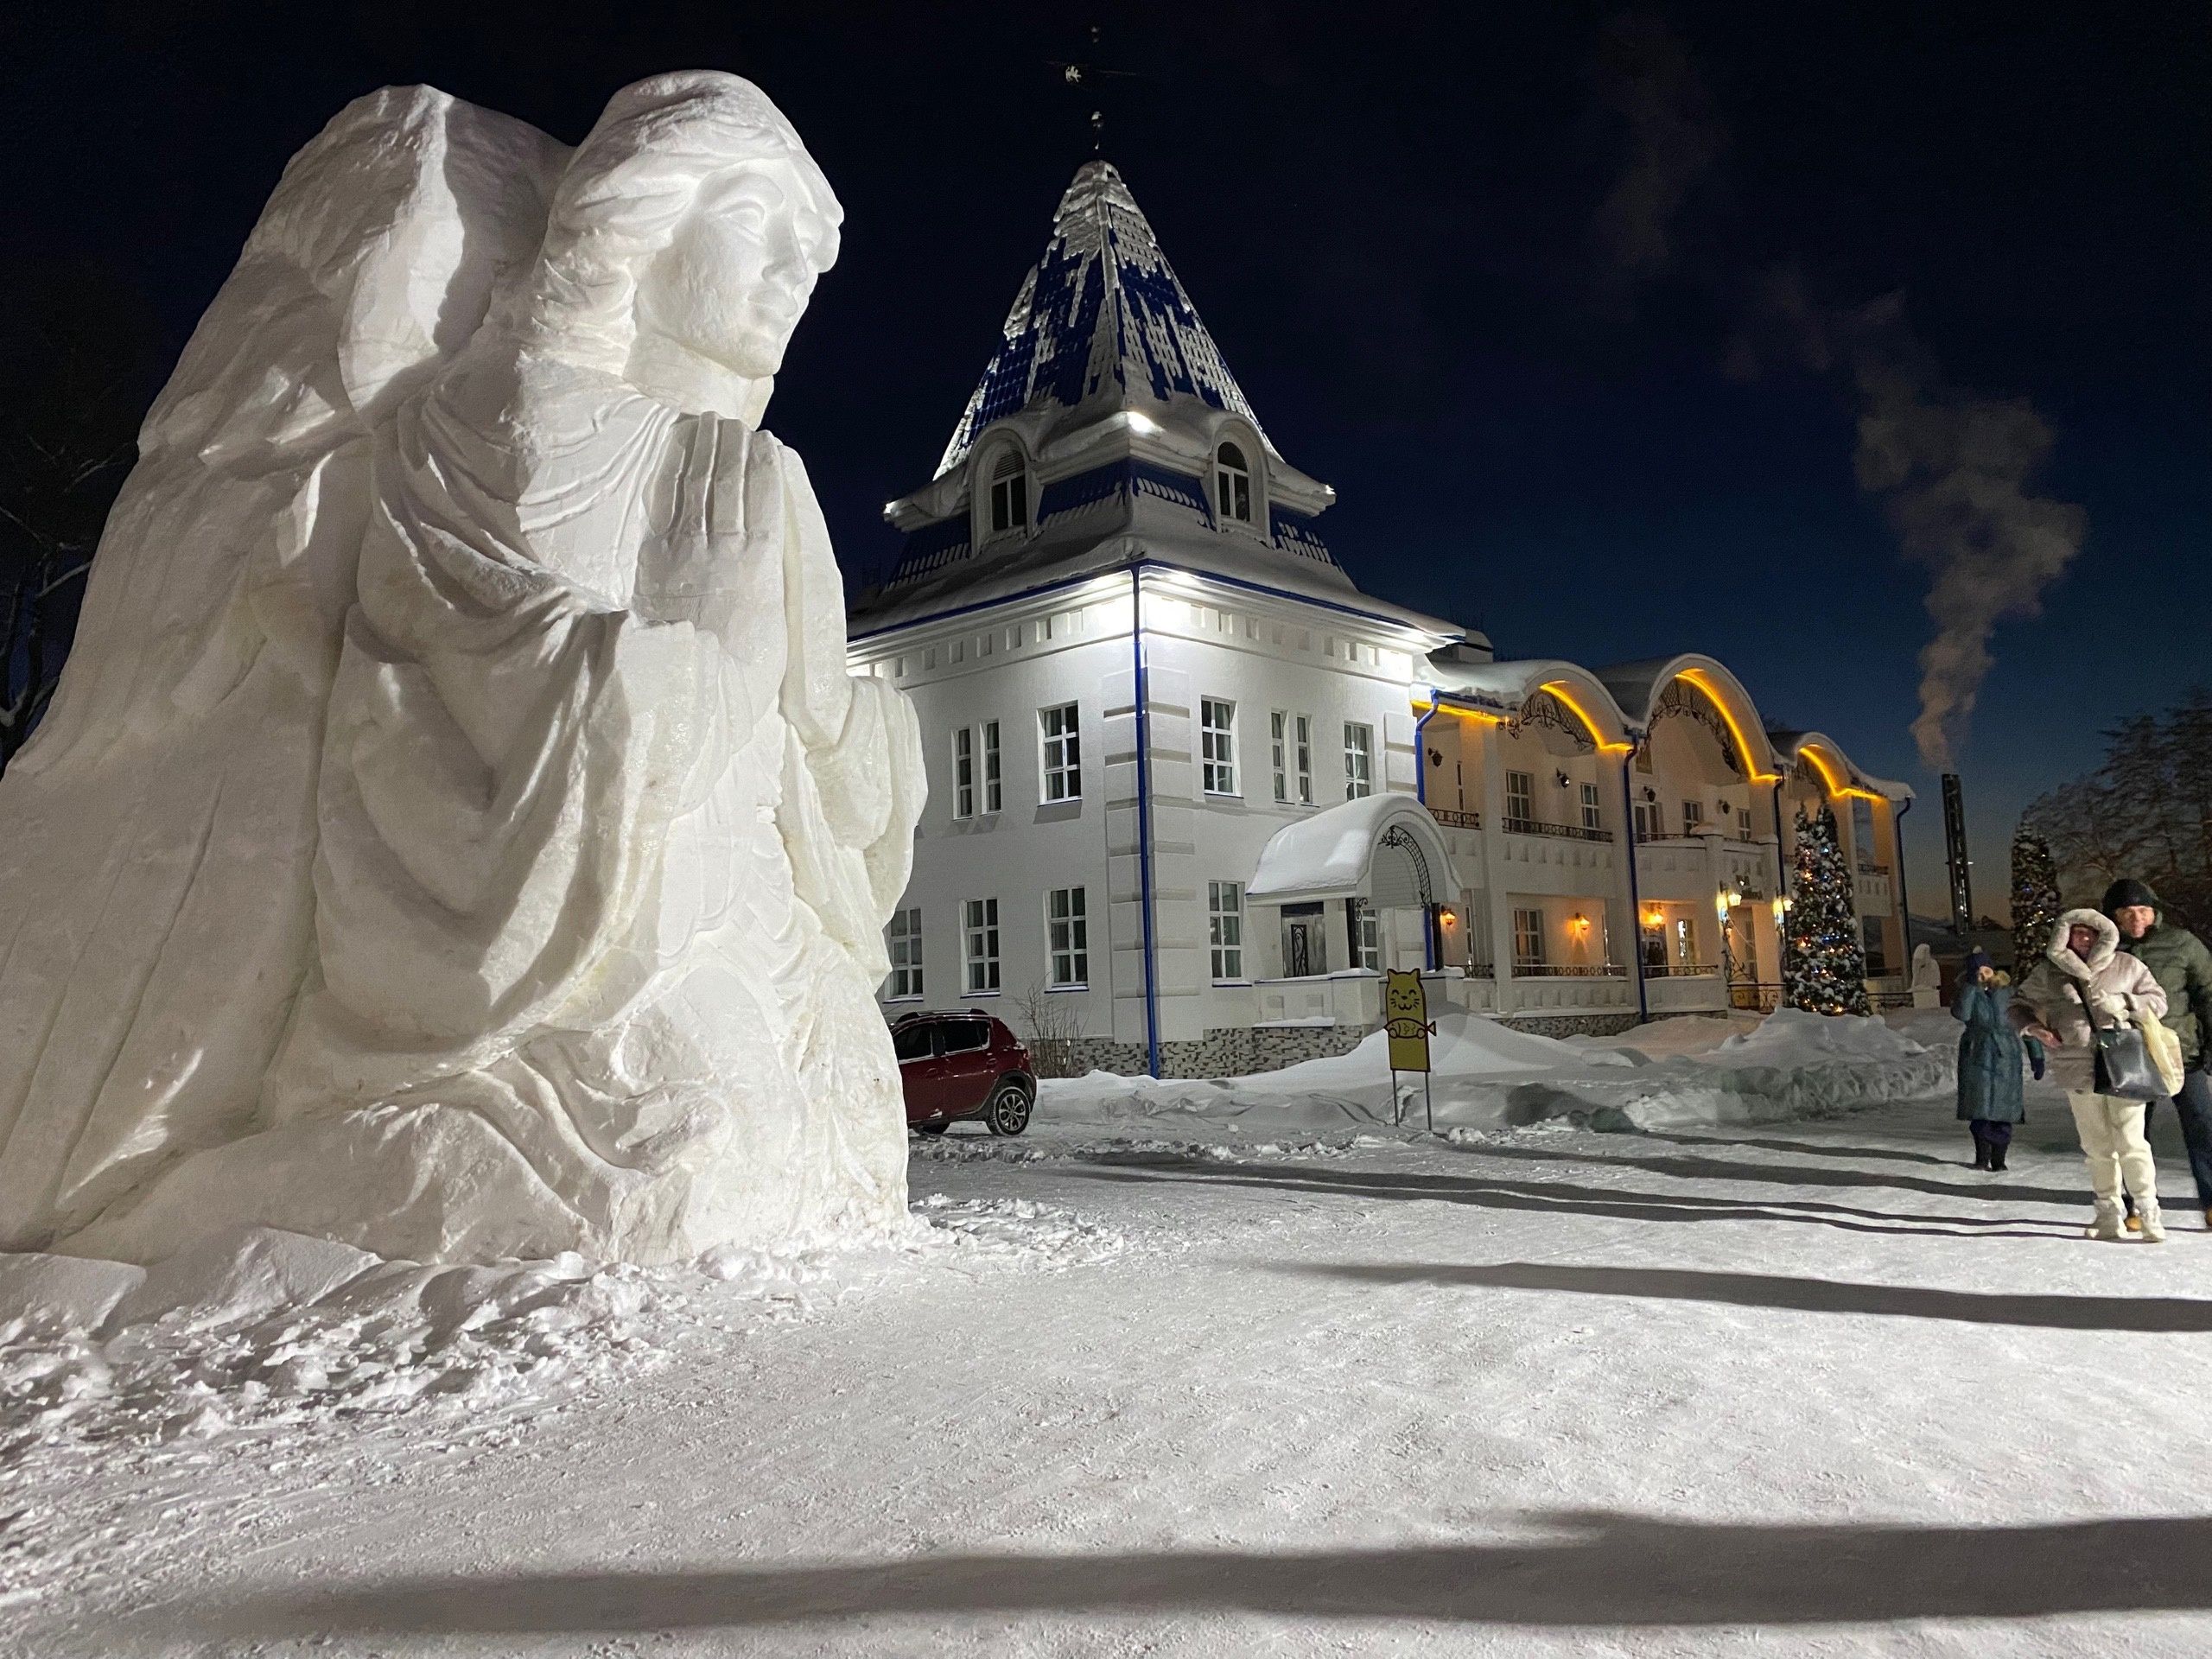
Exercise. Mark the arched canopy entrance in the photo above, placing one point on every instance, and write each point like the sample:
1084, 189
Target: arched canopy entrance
1384, 848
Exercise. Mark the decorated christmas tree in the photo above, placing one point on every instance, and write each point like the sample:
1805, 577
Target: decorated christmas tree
2035, 898
1826, 964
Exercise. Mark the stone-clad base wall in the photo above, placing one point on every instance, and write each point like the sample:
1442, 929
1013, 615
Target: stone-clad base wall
1240, 1050
1573, 1025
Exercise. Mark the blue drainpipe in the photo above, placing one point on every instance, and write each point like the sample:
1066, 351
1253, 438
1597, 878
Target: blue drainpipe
1420, 793
1635, 896
1144, 824
1782, 875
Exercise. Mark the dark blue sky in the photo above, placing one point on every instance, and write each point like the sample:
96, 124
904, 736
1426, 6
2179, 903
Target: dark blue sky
1385, 216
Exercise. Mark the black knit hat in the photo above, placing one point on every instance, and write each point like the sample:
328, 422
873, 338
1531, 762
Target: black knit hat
2122, 893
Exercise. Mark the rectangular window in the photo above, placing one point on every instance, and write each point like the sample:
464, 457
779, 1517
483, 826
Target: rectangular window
1744, 821
964, 772
1304, 760
1869, 941
1226, 928
1593, 818
1217, 745
1693, 817
1363, 934
1520, 797
992, 800
979, 943
1528, 939
1063, 754
1685, 942
1359, 761
1649, 822
1279, 754
1067, 936
904, 936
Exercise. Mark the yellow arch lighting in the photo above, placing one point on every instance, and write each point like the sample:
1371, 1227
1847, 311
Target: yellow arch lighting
1836, 787
1459, 710
1560, 689
1696, 678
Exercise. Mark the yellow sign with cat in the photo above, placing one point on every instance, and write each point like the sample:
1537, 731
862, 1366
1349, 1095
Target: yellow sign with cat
1405, 1019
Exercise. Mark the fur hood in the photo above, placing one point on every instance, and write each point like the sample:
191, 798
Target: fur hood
2100, 953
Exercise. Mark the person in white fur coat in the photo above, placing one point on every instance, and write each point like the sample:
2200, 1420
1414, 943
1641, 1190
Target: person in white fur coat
2084, 973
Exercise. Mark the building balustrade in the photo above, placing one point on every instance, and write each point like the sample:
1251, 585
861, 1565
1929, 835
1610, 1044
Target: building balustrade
1452, 818
1563, 832
1569, 970
1867, 868
1679, 969
1755, 999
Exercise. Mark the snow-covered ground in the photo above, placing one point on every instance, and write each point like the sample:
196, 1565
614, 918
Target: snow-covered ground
1188, 1383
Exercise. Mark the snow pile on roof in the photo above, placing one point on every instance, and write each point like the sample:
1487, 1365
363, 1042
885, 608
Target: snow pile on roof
1327, 853
1488, 1075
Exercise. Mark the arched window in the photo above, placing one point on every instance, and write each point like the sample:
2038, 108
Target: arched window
1232, 484
1009, 493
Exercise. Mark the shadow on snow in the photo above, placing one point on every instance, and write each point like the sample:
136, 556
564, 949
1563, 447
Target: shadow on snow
1601, 1569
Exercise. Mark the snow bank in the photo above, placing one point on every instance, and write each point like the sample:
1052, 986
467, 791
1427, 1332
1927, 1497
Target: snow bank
1488, 1075
258, 1326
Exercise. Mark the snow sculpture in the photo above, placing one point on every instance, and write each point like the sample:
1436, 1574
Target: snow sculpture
457, 833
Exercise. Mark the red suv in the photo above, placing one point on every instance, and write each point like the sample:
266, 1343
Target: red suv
963, 1065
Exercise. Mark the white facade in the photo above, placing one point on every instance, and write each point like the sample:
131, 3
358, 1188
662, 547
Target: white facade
1111, 534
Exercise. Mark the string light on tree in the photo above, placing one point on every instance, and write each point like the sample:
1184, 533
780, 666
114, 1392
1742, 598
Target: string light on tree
1826, 972
2035, 897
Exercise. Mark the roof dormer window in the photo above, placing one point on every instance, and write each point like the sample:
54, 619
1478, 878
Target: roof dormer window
1232, 484
1009, 493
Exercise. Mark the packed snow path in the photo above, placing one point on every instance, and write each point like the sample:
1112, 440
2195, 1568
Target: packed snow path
1808, 1388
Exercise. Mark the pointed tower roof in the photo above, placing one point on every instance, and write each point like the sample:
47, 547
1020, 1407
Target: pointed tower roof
1110, 416
1100, 319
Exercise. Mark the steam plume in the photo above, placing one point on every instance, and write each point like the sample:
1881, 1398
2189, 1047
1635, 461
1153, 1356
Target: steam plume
1647, 78
1953, 468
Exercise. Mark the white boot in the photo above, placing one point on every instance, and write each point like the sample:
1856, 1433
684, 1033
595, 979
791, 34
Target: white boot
2154, 1224
2107, 1225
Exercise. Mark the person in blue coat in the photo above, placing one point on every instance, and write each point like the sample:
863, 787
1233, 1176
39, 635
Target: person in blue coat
1990, 1056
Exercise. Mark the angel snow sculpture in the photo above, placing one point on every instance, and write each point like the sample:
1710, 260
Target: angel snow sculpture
457, 833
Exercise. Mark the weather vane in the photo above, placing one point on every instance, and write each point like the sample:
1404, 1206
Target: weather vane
1088, 73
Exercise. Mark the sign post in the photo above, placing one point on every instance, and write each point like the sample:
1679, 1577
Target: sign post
1407, 1025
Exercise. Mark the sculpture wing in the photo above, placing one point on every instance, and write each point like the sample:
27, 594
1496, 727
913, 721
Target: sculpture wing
157, 835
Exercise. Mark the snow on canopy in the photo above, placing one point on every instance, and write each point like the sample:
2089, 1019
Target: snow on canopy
1329, 855
1102, 309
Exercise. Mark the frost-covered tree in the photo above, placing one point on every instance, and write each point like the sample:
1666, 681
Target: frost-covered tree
2035, 897
1826, 967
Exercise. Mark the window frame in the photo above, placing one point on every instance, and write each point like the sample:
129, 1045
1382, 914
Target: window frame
980, 955
964, 773
1593, 809
1363, 935
1059, 754
1067, 936
1520, 797
1279, 752
1233, 481
1305, 746
1217, 747
1693, 819
1007, 508
994, 781
902, 944
1529, 936
1359, 780
1226, 931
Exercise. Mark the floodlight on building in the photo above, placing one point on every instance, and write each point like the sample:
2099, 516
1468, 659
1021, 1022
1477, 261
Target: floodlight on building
1140, 424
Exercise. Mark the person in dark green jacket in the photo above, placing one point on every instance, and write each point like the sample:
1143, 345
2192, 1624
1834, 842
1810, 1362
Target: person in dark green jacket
2180, 963
1990, 1056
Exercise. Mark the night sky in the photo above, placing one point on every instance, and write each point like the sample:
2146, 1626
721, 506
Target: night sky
1498, 275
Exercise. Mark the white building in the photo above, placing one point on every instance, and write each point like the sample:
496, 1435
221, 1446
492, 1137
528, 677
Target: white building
1190, 789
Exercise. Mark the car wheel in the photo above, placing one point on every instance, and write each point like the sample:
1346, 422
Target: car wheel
1009, 1110
932, 1128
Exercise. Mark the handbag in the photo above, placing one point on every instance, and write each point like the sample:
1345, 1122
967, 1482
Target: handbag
2124, 1069
2165, 1053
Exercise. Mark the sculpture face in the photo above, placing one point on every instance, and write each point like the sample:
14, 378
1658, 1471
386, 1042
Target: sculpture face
733, 281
